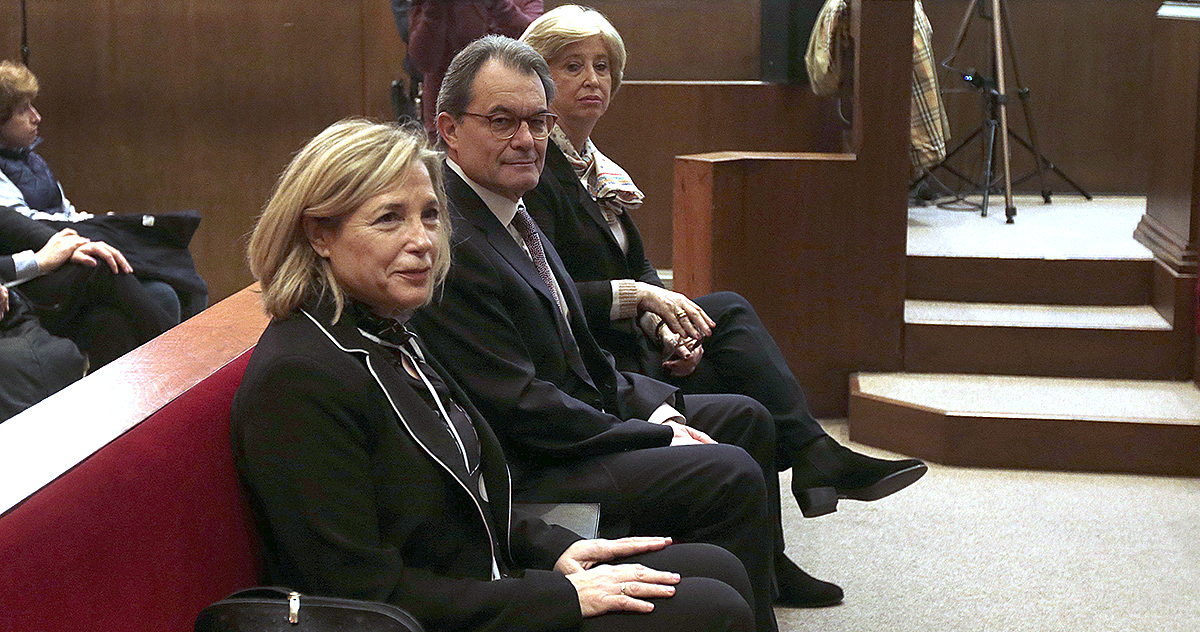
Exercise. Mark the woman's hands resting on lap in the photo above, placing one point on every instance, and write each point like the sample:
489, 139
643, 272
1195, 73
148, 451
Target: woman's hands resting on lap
682, 315
67, 245
681, 355
684, 325
622, 587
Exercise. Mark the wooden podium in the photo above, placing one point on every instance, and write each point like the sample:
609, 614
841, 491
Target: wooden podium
1169, 227
815, 241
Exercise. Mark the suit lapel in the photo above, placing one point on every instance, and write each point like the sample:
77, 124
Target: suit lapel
556, 162
420, 418
425, 426
582, 337
471, 208
495, 467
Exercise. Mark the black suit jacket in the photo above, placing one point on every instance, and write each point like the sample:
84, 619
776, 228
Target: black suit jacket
573, 221
552, 395
18, 234
360, 492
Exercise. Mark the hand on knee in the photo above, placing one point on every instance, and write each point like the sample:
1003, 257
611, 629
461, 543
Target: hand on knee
624, 587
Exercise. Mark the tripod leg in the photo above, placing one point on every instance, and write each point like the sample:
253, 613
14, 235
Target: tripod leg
1010, 210
944, 164
962, 32
1045, 162
963, 144
961, 176
1023, 95
989, 157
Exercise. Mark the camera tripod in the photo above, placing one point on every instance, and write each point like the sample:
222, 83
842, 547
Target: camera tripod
995, 122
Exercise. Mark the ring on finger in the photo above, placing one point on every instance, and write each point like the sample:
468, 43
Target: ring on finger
623, 585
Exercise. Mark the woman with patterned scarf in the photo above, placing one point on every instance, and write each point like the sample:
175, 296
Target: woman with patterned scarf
712, 344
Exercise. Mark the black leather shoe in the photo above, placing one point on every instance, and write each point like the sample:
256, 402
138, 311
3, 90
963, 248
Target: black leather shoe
798, 589
825, 471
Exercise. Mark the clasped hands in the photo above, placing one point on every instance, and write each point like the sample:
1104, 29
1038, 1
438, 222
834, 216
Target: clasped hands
615, 587
68, 245
681, 327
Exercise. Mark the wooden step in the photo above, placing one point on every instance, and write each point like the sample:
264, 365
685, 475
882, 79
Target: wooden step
1130, 342
1150, 427
1075, 281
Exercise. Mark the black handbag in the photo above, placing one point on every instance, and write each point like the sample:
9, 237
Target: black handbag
274, 609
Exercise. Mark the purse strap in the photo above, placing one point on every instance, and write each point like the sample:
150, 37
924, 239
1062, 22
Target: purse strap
294, 600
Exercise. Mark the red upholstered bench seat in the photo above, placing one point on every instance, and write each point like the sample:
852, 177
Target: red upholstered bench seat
142, 534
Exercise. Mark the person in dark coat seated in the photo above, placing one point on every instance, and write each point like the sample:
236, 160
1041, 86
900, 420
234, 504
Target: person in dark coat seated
510, 328
712, 344
155, 245
373, 475
79, 289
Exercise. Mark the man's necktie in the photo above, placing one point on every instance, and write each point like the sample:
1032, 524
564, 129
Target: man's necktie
528, 230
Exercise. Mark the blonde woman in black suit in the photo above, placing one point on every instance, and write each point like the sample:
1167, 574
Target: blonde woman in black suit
372, 474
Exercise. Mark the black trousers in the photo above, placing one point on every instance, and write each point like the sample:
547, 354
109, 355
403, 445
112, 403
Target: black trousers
741, 357
713, 594
103, 313
705, 493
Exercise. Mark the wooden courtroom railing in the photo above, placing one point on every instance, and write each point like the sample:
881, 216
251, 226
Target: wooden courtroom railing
49, 439
651, 122
816, 241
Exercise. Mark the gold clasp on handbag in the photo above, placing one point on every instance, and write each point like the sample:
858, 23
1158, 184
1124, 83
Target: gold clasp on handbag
293, 607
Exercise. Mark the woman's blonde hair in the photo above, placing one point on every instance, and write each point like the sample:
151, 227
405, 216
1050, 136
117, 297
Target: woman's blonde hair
570, 23
341, 168
17, 83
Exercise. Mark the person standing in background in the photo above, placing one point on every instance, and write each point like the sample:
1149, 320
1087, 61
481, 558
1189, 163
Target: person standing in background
438, 29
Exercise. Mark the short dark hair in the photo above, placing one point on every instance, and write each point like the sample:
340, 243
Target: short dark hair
455, 95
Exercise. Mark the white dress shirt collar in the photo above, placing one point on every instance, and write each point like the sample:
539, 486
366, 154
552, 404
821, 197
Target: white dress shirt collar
503, 208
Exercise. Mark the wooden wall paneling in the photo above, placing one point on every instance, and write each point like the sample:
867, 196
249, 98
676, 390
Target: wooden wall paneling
815, 241
1087, 65
1172, 220
710, 40
651, 122
1196, 359
1164, 449
1175, 299
383, 58
901, 427
158, 105
733, 234
1172, 216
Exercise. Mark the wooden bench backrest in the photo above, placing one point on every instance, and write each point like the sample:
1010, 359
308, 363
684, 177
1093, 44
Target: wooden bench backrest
151, 526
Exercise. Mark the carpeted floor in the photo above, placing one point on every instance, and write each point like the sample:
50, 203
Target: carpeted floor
1070, 227
993, 550
966, 550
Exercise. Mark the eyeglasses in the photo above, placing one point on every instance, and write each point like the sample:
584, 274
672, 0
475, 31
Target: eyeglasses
504, 125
